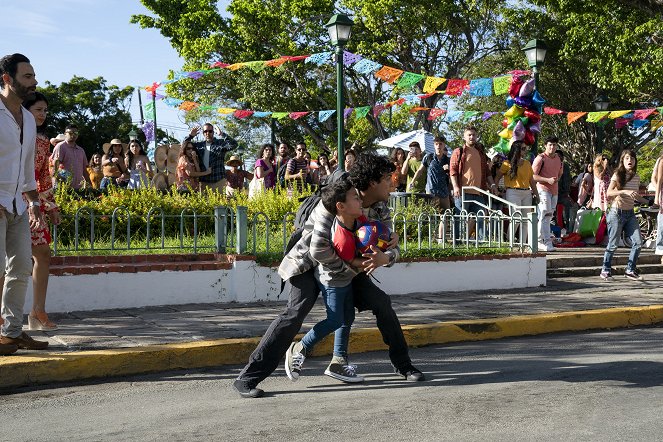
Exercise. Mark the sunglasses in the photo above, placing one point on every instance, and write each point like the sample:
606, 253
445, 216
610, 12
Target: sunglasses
208, 131
301, 150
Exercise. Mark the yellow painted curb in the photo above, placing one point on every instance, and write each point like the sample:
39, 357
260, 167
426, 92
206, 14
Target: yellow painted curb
45, 368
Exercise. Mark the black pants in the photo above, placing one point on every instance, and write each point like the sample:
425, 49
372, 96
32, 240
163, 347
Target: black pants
303, 292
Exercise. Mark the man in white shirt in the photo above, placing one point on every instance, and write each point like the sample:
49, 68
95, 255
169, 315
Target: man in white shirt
18, 133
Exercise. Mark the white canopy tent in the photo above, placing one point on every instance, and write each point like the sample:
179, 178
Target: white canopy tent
423, 137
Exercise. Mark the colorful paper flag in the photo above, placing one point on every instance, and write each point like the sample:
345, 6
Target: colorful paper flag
350, 58
388, 74
276, 62
501, 84
435, 113
361, 112
409, 79
320, 58
297, 115
226, 110
456, 86
571, 117
481, 87
324, 115
242, 113
620, 122
279, 115
552, 111
642, 114
616, 114
377, 110
347, 112
366, 66
488, 115
593, 117
262, 114
432, 83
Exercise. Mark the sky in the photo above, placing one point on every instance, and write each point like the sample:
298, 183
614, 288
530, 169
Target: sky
92, 38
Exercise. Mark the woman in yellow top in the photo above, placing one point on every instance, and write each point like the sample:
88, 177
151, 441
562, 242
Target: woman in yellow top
518, 179
94, 169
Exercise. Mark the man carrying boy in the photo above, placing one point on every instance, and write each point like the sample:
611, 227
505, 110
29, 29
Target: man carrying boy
371, 175
342, 200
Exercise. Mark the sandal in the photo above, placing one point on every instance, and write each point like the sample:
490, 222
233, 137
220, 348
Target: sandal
40, 321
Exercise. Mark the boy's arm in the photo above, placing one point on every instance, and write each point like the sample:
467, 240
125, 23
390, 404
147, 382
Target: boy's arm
322, 249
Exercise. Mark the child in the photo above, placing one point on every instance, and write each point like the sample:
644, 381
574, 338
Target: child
624, 186
342, 200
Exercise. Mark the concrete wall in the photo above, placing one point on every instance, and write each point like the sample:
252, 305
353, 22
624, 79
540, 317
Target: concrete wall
248, 282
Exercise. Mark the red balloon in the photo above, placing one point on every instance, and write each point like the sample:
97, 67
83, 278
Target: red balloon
516, 84
532, 116
505, 122
529, 138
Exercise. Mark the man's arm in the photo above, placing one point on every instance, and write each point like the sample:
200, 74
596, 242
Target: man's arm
420, 170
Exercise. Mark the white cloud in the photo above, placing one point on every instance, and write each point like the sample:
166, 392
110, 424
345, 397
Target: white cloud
28, 23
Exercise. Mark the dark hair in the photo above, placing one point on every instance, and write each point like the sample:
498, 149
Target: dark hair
414, 144
439, 139
515, 153
369, 168
300, 143
9, 65
551, 139
271, 149
470, 127
130, 154
31, 102
334, 193
70, 126
394, 153
624, 176
351, 152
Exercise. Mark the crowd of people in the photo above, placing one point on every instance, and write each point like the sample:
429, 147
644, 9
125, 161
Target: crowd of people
323, 258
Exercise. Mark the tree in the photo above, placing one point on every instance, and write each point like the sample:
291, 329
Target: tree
99, 110
443, 41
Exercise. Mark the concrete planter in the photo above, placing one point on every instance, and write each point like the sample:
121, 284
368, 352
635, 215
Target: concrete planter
240, 279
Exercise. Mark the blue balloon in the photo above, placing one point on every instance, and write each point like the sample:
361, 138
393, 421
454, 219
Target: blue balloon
510, 102
525, 102
538, 100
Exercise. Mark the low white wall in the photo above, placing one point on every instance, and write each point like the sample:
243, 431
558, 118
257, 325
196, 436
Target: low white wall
248, 282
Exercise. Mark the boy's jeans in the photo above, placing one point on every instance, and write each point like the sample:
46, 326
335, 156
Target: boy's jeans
546, 208
340, 315
618, 220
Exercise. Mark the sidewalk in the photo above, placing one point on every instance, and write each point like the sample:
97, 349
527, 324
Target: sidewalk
130, 341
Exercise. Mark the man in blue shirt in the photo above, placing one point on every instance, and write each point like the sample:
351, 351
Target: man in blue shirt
436, 167
212, 155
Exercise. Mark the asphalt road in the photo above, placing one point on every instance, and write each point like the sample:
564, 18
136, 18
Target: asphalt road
580, 387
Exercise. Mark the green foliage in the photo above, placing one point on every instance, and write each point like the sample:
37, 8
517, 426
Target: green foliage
99, 110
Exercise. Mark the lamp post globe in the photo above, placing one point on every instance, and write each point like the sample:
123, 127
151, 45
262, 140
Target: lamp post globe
133, 135
339, 27
601, 102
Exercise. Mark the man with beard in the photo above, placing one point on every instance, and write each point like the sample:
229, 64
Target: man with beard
18, 133
469, 168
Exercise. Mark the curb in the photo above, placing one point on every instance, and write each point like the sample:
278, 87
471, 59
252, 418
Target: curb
45, 368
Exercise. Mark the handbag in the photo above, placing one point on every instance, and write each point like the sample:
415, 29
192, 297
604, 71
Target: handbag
588, 222
256, 186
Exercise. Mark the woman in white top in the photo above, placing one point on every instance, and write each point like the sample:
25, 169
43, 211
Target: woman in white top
657, 181
623, 192
602, 174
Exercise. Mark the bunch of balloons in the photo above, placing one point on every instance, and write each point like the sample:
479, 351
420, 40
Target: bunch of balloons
523, 117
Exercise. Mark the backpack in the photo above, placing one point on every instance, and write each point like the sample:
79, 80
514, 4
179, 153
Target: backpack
280, 174
307, 205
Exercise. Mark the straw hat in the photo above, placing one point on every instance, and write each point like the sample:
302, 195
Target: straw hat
234, 161
58, 139
107, 146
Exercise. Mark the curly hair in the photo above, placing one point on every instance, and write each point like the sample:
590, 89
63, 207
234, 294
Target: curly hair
369, 168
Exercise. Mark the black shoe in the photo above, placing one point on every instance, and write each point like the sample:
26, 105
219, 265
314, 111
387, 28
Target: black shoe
411, 374
246, 390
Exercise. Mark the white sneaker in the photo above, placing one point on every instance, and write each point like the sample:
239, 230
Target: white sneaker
294, 359
344, 372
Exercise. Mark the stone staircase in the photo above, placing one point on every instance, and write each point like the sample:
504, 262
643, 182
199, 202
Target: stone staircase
587, 261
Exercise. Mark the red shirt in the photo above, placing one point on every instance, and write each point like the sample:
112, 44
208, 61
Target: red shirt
343, 238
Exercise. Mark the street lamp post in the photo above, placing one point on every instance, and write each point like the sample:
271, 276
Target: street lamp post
133, 135
601, 103
339, 28
535, 51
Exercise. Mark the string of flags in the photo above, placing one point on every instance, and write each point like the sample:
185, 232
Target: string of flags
402, 80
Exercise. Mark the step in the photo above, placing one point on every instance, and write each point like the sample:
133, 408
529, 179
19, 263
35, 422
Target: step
596, 270
555, 262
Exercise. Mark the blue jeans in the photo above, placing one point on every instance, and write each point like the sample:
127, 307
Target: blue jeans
471, 207
659, 234
618, 220
340, 316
